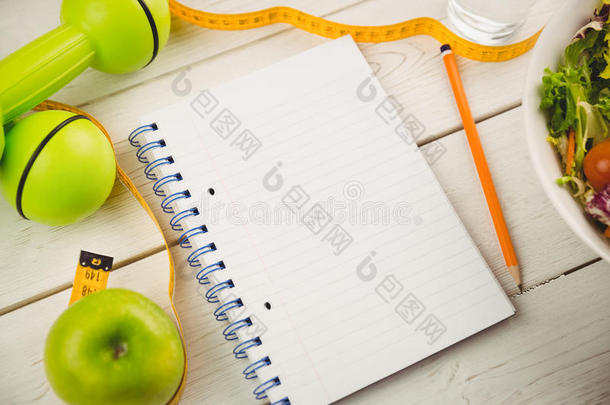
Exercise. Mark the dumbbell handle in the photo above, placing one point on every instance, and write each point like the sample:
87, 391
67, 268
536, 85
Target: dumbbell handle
36, 71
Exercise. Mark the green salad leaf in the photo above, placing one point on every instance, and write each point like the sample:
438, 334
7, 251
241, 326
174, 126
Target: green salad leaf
561, 92
583, 48
603, 103
577, 97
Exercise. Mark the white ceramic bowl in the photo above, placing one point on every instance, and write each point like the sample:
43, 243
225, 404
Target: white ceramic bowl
548, 53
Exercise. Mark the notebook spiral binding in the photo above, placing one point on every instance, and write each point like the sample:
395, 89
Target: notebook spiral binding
151, 168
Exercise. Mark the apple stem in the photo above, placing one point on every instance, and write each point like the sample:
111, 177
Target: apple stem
119, 350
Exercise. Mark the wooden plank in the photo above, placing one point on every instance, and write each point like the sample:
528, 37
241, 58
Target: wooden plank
37, 258
187, 43
554, 350
546, 247
410, 70
544, 244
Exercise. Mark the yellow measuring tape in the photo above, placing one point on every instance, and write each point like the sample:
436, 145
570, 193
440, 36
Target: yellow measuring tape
54, 105
91, 275
360, 33
315, 25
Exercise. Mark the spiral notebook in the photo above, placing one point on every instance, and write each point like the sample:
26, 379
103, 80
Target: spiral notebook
328, 248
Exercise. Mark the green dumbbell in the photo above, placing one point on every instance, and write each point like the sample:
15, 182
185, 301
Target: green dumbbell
58, 167
114, 36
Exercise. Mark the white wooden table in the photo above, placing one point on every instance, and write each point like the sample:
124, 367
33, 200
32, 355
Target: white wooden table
555, 350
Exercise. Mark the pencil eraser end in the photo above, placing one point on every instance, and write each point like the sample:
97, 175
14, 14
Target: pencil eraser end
445, 48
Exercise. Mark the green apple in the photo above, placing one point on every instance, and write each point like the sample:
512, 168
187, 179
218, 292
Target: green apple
114, 347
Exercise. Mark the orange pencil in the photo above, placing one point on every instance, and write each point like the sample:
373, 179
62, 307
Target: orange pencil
481, 164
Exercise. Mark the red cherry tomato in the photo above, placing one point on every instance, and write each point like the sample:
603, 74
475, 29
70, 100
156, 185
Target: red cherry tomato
597, 165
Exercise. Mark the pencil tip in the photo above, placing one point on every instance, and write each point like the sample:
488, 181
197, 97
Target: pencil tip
445, 47
515, 271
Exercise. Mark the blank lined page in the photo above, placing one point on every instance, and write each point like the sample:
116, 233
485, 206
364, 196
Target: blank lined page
345, 252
